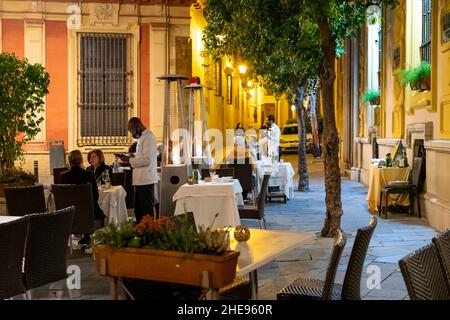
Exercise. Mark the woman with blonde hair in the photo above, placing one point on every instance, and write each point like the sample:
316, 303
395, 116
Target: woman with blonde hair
97, 166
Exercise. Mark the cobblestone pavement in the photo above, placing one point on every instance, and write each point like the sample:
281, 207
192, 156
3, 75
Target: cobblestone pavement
394, 238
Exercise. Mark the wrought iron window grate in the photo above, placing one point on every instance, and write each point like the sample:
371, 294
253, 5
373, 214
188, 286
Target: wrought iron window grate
105, 80
425, 48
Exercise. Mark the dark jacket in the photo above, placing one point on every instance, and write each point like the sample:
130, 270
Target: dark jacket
100, 169
78, 175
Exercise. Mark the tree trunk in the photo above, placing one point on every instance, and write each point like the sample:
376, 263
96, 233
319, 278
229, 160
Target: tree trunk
330, 133
303, 180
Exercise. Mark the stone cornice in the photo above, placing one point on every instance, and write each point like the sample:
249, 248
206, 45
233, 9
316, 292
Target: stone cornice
442, 146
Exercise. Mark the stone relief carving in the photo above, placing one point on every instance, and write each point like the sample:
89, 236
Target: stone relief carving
104, 14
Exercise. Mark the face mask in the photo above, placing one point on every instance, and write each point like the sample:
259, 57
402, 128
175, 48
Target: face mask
136, 135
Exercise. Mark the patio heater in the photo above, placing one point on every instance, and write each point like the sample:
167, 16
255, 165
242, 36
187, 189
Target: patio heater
176, 157
198, 125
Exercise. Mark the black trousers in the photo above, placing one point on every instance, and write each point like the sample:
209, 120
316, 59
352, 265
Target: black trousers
144, 201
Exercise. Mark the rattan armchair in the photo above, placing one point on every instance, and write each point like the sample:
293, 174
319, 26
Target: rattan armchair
12, 245
257, 212
24, 200
46, 248
442, 244
315, 289
423, 275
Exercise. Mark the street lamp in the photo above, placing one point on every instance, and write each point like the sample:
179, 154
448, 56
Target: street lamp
242, 69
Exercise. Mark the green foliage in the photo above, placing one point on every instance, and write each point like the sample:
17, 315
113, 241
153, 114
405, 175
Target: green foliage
163, 235
16, 175
23, 87
412, 75
370, 95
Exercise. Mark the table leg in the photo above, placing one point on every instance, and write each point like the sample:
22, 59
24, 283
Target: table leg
254, 284
113, 288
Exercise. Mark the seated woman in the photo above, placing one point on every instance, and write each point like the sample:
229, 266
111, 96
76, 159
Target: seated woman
97, 166
77, 175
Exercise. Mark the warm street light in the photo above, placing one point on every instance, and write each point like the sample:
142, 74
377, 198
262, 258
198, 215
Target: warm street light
242, 69
249, 84
252, 92
293, 107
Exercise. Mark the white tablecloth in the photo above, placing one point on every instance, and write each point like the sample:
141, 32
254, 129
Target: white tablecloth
205, 200
112, 202
282, 174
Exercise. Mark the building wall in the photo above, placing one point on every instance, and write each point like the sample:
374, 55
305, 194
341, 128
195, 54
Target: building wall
410, 115
39, 31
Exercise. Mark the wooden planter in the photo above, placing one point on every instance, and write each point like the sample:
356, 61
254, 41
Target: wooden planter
166, 266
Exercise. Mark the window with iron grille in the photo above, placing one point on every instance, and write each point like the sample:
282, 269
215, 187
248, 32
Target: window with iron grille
425, 48
104, 89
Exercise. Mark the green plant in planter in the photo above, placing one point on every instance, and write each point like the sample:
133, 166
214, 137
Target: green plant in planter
417, 77
372, 96
23, 87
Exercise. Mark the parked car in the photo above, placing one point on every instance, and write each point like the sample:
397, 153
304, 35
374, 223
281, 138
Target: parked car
289, 139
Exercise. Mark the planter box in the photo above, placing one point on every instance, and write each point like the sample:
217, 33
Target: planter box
425, 83
375, 101
166, 266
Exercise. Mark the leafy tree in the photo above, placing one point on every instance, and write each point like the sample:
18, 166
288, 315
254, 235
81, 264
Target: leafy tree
286, 42
23, 87
267, 36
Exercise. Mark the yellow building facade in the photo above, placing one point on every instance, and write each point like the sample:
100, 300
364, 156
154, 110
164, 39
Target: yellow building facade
414, 31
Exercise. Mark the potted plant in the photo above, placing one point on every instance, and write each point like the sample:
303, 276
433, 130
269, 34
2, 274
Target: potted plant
161, 250
23, 87
419, 78
372, 96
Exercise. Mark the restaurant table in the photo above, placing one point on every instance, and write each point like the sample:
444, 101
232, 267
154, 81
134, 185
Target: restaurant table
5, 219
263, 247
112, 202
380, 177
281, 175
206, 199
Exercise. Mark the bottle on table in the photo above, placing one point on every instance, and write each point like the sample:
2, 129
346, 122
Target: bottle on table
388, 160
195, 179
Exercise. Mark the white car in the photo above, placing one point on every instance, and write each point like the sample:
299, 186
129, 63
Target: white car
289, 139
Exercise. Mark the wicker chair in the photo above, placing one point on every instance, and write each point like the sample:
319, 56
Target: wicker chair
80, 196
46, 248
423, 275
413, 188
350, 289
442, 244
315, 289
117, 179
252, 212
12, 245
57, 174
24, 200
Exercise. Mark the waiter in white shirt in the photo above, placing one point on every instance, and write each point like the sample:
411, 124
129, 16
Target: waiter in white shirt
273, 143
144, 164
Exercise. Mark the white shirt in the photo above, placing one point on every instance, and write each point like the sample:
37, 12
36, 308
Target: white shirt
144, 162
273, 139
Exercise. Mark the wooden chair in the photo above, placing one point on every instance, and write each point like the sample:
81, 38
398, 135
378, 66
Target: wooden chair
24, 200
413, 188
